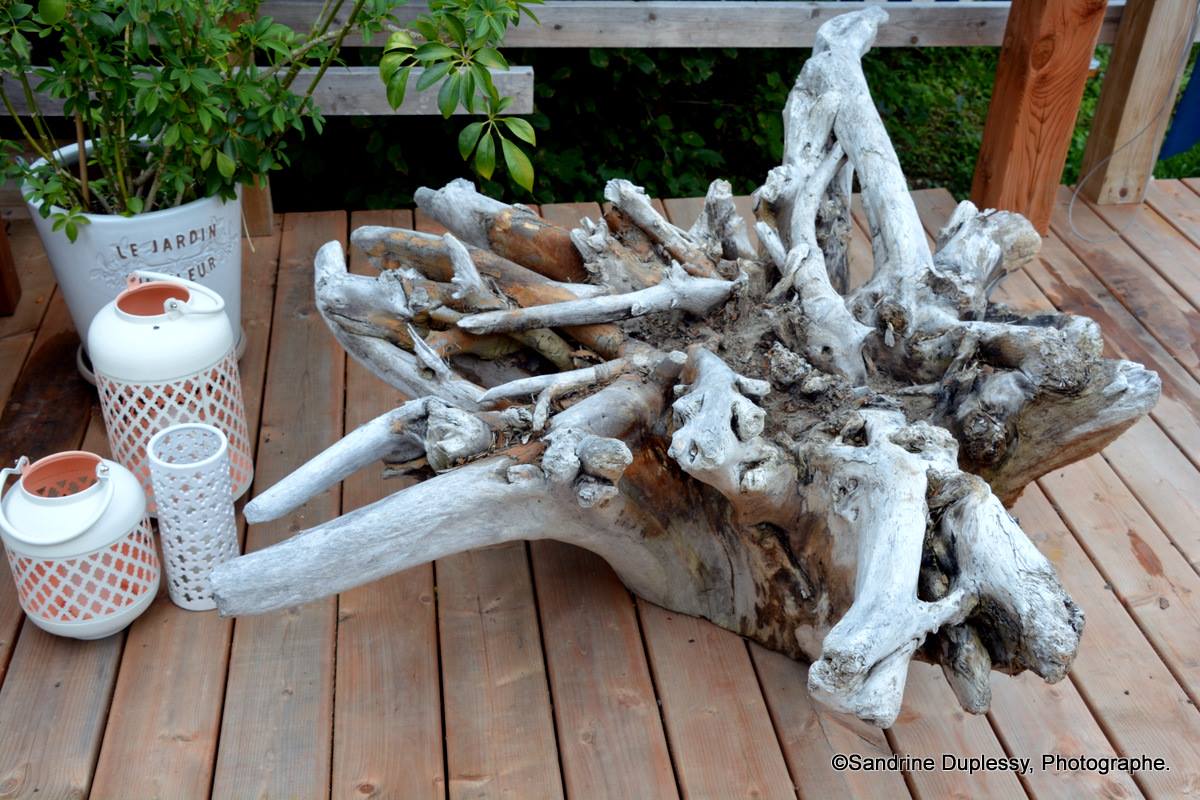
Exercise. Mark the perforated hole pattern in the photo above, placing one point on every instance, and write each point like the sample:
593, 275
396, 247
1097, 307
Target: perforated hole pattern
195, 512
88, 587
134, 412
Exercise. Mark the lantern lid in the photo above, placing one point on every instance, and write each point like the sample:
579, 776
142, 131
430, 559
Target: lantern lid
68, 503
159, 329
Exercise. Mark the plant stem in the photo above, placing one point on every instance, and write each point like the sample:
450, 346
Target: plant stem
295, 70
292, 57
333, 51
82, 162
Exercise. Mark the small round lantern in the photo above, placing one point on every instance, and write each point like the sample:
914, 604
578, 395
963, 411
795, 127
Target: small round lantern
79, 544
163, 353
189, 466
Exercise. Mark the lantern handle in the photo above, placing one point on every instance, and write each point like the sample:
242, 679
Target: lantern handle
174, 306
102, 479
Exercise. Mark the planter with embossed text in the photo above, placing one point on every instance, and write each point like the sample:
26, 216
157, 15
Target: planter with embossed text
198, 241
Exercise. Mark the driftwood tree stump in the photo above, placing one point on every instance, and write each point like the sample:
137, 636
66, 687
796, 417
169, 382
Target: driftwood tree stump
739, 436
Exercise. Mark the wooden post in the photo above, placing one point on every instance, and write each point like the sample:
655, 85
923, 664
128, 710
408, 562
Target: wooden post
1044, 62
1139, 88
10, 284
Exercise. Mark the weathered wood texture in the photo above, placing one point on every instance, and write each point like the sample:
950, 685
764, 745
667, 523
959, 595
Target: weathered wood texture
388, 687
734, 23
1124, 695
1044, 62
346, 91
276, 730
162, 747
500, 737
1136, 99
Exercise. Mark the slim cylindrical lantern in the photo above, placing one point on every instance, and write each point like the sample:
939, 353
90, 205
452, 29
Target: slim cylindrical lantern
163, 353
189, 468
79, 544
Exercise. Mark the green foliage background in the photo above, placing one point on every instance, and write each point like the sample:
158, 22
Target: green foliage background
672, 120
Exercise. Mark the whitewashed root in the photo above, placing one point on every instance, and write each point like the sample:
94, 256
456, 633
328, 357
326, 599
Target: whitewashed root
738, 435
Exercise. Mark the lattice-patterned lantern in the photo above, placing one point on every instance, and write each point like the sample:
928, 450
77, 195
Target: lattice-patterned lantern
163, 353
79, 544
189, 467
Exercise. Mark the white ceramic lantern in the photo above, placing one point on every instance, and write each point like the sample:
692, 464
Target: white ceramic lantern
163, 352
79, 544
189, 467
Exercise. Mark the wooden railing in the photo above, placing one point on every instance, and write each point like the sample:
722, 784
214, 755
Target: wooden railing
1046, 50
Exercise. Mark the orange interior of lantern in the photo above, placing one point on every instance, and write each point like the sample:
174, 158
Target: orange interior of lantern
148, 299
61, 475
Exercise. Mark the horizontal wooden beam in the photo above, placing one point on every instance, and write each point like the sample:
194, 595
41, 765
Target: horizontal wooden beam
723, 23
357, 91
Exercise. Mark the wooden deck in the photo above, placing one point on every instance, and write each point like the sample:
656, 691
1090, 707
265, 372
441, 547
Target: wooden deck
529, 671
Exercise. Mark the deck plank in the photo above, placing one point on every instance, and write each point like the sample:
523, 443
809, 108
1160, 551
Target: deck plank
1172, 256
1072, 287
610, 732
932, 724
37, 280
153, 745
720, 731
1124, 273
1152, 578
13, 351
276, 729
56, 695
1176, 203
499, 728
1140, 706
500, 737
812, 735
48, 410
388, 697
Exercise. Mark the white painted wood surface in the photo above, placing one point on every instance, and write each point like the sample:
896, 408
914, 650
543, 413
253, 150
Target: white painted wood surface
356, 91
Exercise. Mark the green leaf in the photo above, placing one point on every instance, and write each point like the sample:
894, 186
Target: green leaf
468, 138
432, 75
432, 51
448, 95
399, 40
490, 57
389, 64
52, 12
136, 205
397, 86
225, 165
457, 32
485, 157
521, 129
426, 28
518, 165
171, 136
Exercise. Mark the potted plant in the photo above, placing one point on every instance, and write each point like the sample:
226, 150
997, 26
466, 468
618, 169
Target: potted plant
173, 104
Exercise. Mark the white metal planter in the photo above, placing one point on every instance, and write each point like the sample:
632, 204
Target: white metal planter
79, 544
198, 241
189, 467
163, 352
